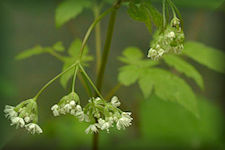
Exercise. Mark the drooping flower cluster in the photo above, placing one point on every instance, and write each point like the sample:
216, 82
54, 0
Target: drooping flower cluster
103, 115
170, 40
24, 115
70, 104
100, 114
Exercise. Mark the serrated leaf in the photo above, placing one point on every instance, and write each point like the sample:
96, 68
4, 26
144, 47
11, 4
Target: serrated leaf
128, 75
58, 47
172, 88
155, 15
69, 9
184, 67
136, 13
205, 55
30, 52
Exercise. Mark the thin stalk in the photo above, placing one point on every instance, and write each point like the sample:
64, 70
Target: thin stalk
74, 78
52, 80
105, 58
113, 91
90, 81
96, 10
164, 13
58, 56
91, 28
106, 49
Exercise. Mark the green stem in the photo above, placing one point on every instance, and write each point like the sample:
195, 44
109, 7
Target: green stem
90, 81
74, 78
164, 13
52, 80
91, 28
96, 10
106, 49
58, 56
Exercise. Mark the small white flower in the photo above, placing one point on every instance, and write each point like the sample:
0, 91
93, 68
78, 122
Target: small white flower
55, 110
10, 112
67, 108
72, 103
124, 121
104, 125
92, 128
33, 128
115, 101
27, 119
19, 122
171, 35
161, 52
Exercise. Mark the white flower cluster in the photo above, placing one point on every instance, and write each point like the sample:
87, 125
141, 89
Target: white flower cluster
169, 41
69, 104
106, 115
24, 115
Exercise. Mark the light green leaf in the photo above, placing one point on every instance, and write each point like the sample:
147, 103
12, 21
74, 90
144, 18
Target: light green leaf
30, 52
205, 55
184, 67
133, 56
132, 53
146, 85
58, 47
69, 9
172, 88
128, 75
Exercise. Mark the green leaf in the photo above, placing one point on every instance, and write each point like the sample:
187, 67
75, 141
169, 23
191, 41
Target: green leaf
128, 75
133, 56
69, 9
146, 85
171, 88
155, 15
136, 13
30, 52
205, 55
184, 67
58, 47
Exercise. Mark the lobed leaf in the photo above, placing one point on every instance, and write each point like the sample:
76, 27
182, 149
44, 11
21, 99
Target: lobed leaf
69, 9
170, 88
58, 46
205, 55
30, 52
184, 67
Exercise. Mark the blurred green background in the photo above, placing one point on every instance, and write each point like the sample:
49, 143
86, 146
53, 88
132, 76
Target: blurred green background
158, 125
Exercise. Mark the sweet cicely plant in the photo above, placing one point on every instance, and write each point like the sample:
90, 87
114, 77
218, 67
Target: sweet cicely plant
103, 113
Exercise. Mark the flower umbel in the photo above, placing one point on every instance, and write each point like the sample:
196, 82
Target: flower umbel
25, 115
106, 114
170, 40
70, 104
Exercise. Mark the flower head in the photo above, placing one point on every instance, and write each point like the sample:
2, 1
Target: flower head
33, 128
92, 128
23, 114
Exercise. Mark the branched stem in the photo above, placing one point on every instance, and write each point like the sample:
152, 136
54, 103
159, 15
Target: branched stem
90, 81
52, 80
74, 78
